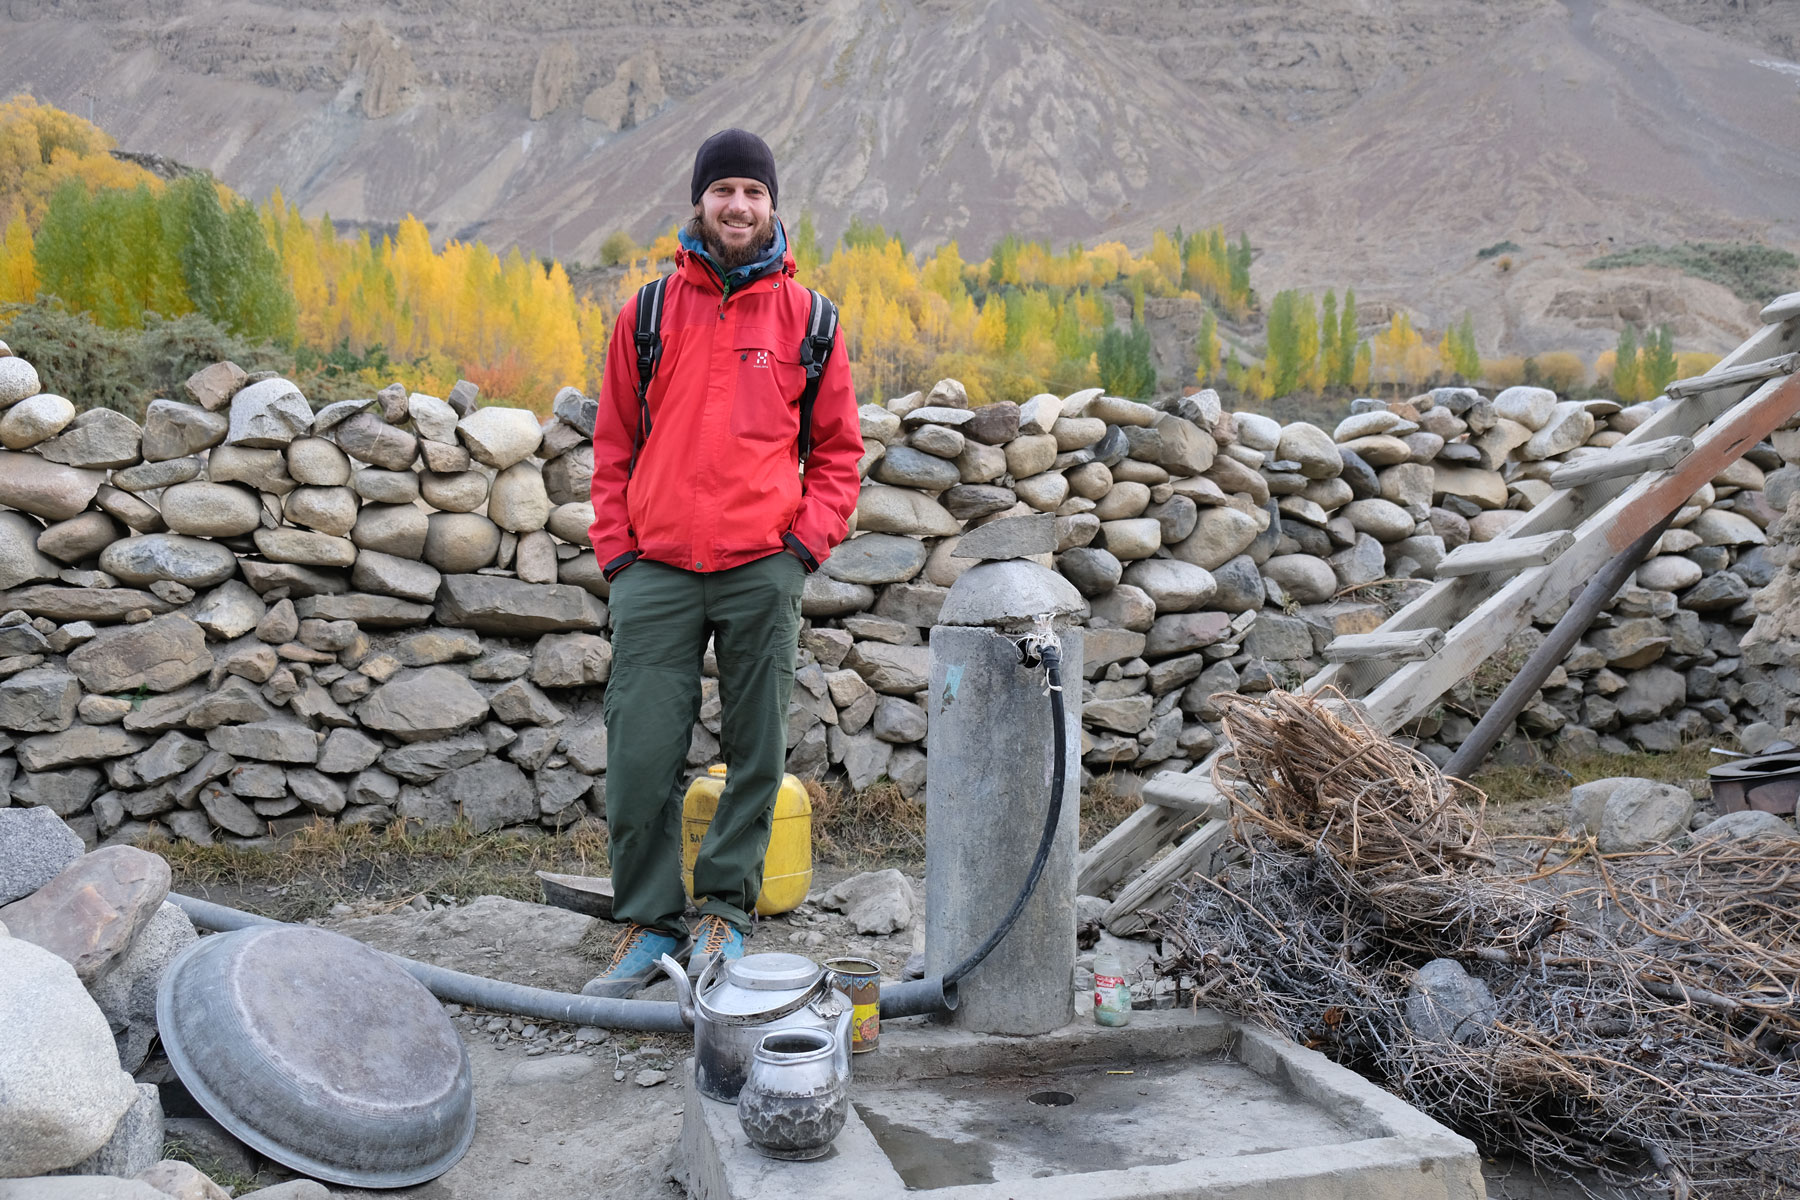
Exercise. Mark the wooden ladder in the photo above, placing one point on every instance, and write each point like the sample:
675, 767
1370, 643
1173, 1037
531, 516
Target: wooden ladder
1485, 594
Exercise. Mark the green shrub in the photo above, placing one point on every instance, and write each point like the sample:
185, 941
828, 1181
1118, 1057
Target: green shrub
1753, 272
1507, 247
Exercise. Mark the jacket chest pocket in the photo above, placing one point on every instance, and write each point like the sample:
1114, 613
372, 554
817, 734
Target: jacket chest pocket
765, 406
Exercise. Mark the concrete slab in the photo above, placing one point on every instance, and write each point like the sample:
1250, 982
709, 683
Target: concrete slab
1212, 1108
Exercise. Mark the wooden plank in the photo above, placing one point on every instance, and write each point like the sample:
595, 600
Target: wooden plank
1191, 795
1509, 554
1412, 645
1127, 847
1753, 372
1622, 462
1150, 891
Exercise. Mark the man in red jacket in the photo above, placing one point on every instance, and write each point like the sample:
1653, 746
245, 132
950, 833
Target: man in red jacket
706, 527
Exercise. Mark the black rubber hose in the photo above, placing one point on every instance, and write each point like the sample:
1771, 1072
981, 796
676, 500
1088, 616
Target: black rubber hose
1052, 657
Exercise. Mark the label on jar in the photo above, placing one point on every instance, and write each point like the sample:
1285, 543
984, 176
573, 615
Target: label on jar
1106, 990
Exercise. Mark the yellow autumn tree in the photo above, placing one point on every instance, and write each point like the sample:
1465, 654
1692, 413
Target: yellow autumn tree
18, 266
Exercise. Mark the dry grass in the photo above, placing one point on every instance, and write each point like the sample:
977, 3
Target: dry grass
877, 826
1103, 806
323, 864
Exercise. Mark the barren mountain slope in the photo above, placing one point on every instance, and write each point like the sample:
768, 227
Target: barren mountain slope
962, 122
1592, 127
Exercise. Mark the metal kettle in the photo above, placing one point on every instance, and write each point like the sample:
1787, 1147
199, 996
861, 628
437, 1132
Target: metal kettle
733, 1004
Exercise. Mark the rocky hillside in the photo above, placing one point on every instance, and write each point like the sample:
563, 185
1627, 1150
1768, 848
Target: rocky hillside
1372, 146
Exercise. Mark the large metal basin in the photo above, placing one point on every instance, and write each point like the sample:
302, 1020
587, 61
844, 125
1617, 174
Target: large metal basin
320, 1054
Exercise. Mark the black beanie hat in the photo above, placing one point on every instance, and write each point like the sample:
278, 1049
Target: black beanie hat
733, 154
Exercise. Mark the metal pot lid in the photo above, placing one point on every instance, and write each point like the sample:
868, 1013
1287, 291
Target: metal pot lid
763, 983
319, 1053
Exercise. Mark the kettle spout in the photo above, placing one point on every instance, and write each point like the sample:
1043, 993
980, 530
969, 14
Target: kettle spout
684, 992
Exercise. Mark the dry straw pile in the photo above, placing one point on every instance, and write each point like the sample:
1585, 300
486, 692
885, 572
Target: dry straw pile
1642, 1012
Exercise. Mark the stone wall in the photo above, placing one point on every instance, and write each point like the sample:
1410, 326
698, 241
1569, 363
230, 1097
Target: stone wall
247, 613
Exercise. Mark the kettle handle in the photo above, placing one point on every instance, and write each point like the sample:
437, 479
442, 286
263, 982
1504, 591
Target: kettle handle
819, 986
846, 1031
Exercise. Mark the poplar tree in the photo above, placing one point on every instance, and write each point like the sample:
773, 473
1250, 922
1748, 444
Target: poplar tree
1328, 339
1659, 367
1626, 378
1207, 346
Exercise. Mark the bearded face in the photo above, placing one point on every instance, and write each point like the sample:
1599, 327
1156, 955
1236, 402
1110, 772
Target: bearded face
735, 221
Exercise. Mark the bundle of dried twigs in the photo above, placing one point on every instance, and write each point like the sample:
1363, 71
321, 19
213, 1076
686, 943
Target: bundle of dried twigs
1645, 1021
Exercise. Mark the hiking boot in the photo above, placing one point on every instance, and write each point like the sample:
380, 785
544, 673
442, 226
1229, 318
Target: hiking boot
634, 962
714, 935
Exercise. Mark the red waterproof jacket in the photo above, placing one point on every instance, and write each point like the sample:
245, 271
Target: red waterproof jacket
718, 484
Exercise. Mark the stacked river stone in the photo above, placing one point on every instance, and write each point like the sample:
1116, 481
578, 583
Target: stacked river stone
247, 613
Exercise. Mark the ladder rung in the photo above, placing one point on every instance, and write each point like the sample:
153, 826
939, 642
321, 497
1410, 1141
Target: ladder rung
1622, 461
1193, 795
1412, 645
1756, 372
1505, 554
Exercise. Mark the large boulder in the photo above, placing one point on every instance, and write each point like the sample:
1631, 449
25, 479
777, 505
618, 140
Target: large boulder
89, 914
20, 557
877, 902
45, 489
62, 1093
499, 437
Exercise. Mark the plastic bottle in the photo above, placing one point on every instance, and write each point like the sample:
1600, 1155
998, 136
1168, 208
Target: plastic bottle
1112, 997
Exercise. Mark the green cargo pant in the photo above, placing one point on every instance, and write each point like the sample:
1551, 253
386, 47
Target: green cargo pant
661, 618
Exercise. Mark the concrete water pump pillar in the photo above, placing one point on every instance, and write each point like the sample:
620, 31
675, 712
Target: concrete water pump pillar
988, 786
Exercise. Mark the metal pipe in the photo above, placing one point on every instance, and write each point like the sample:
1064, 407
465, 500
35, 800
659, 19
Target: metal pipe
655, 1016
1555, 648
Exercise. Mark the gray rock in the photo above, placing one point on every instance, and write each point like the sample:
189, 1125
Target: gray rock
1179, 633
565, 660
76, 746
1630, 814
190, 561
899, 721
172, 755
424, 705
45, 489
40, 700
903, 466
161, 655
268, 415
1238, 586
1306, 580
494, 605
184, 1181
876, 558
230, 610
521, 703
877, 902
1718, 591
98, 439
499, 437
423, 762
1650, 692
367, 438
70, 541
517, 500
488, 794
127, 995
20, 558
1446, 1004
280, 741
64, 793
895, 670
1220, 534
1747, 826
18, 380
61, 1090
176, 430
1094, 572
823, 596
1009, 537
347, 751
1362, 562
35, 846
403, 578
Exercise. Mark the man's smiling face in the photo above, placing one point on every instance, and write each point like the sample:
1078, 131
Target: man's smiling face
736, 220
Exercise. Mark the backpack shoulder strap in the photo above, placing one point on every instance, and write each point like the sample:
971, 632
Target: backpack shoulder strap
815, 349
648, 337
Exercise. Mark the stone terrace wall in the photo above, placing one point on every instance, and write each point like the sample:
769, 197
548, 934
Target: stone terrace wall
245, 613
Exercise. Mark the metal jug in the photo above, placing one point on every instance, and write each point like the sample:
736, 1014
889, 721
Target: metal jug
734, 1004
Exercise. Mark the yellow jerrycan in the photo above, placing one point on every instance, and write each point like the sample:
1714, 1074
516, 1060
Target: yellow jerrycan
787, 866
